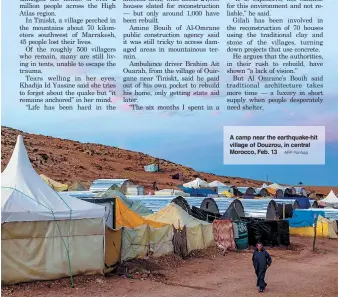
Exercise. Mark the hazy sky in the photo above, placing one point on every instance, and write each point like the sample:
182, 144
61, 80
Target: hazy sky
192, 139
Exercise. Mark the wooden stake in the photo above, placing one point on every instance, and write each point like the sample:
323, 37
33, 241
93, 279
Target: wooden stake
315, 233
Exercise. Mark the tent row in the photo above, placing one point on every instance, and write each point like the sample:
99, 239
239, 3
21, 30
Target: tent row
201, 187
49, 235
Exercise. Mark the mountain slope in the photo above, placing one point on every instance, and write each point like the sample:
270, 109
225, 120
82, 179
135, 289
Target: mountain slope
67, 160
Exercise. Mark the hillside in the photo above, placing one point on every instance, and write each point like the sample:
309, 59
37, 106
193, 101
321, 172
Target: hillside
67, 161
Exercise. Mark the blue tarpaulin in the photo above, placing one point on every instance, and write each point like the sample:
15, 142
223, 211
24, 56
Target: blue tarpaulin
151, 168
200, 192
303, 202
304, 218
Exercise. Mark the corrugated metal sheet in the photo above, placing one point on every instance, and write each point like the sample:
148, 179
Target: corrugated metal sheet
101, 185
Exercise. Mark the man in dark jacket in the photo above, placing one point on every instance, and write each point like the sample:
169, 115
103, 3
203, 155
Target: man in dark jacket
261, 260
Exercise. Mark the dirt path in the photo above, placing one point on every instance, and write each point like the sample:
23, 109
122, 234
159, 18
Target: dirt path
298, 273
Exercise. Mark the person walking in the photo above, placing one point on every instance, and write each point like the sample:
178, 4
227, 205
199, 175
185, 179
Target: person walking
261, 261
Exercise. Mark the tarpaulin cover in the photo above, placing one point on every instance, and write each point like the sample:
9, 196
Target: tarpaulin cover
224, 234
199, 233
269, 233
201, 192
324, 228
145, 241
235, 211
151, 168
227, 194
134, 205
204, 215
183, 203
59, 187
305, 218
113, 246
303, 202
32, 251
125, 217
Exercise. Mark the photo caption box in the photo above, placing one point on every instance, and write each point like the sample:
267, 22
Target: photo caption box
274, 145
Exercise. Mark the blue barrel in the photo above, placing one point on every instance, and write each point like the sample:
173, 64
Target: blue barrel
241, 235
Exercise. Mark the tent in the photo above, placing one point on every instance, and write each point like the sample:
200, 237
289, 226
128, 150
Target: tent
262, 192
210, 205
125, 217
183, 203
247, 191
331, 198
227, 194
59, 187
217, 184
275, 192
197, 183
76, 186
301, 191
276, 186
290, 192
199, 233
141, 236
234, 212
171, 192
272, 211
42, 233
201, 192
303, 221
134, 205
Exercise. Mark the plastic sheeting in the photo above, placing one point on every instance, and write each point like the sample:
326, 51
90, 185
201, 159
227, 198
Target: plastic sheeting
224, 234
32, 251
113, 244
199, 233
134, 205
324, 228
269, 233
146, 241
151, 168
125, 217
204, 215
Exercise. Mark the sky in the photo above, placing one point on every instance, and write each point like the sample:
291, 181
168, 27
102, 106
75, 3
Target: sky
194, 139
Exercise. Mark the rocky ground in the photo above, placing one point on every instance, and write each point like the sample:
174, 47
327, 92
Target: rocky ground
67, 161
296, 271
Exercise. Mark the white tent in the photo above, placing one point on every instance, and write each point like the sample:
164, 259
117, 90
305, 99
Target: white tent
216, 183
276, 186
197, 183
331, 198
43, 234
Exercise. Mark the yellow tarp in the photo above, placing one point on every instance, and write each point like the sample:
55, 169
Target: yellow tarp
59, 187
325, 228
199, 233
113, 246
227, 194
271, 191
125, 217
